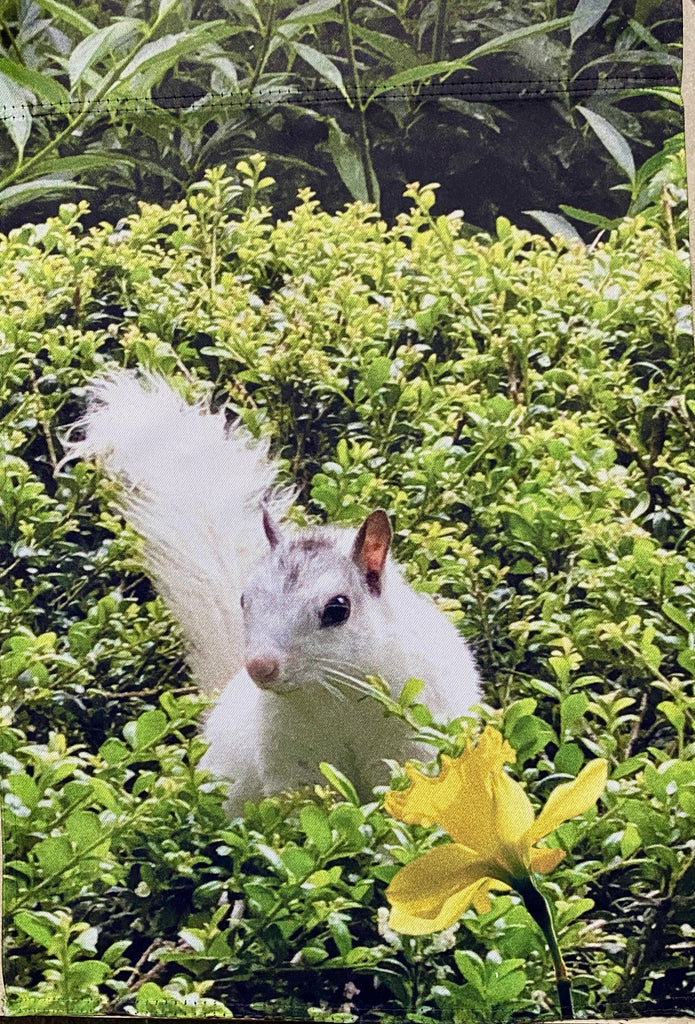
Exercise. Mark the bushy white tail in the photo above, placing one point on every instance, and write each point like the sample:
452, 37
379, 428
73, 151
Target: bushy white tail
194, 489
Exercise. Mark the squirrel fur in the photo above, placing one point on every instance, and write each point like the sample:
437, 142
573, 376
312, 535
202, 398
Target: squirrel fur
317, 602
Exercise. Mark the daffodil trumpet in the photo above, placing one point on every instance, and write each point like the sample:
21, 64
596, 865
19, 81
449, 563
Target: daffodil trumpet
494, 831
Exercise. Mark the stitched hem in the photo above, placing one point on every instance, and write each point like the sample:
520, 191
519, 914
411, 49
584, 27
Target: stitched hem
512, 89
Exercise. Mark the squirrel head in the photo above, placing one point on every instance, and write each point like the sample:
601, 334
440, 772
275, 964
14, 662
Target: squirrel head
315, 600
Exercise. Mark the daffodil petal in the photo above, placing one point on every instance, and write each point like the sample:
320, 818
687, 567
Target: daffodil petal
422, 887
545, 859
571, 799
513, 814
401, 920
481, 900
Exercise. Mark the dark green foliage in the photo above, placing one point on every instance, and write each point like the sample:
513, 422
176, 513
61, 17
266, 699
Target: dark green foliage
126, 101
525, 410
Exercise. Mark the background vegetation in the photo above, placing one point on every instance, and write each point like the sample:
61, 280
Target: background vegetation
130, 99
525, 410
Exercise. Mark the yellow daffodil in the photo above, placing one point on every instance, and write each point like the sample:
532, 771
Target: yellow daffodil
494, 830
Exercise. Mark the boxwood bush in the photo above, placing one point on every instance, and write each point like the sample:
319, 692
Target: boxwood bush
525, 410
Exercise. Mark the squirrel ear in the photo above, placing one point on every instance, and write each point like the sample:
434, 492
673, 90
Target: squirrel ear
371, 547
271, 530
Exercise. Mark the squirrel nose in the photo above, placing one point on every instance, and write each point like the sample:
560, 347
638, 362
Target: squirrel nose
263, 670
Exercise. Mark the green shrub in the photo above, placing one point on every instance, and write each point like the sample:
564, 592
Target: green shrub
525, 410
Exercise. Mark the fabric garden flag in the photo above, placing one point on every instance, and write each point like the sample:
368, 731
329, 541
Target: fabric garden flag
347, 417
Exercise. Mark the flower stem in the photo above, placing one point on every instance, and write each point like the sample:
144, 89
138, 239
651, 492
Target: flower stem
538, 908
362, 133
439, 30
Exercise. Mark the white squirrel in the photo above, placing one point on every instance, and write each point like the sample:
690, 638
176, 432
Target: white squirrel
273, 616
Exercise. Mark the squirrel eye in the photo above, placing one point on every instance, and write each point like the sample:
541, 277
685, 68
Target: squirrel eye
241, 600
336, 611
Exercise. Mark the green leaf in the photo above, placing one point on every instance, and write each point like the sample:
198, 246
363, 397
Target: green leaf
273, 857
23, 786
611, 138
299, 863
312, 955
104, 40
164, 7
113, 751
506, 988
586, 14
41, 85
63, 12
377, 373
53, 854
447, 67
519, 709
471, 967
340, 783
87, 973
195, 941
556, 225
34, 923
572, 709
402, 55
410, 691
84, 829
421, 73
306, 14
675, 715
571, 911
153, 61
14, 112
322, 64
569, 759
631, 841
590, 218
70, 165
316, 828
678, 616
348, 161
87, 939
340, 933
150, 727
529, 736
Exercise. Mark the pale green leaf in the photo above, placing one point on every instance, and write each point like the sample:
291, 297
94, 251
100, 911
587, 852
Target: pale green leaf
308, 14
150, 727
447, 67
402, 55
346, 157
611, 138
70, 165
14, 112
152, 62
554, 224
410, 691
66, 12
88, 939
40, 85
87, 53
322, 64
37, 188
164, 7
586, 14
340, 783
35, 924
